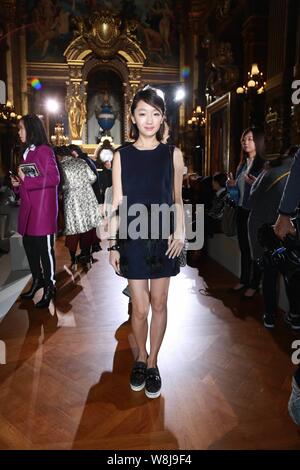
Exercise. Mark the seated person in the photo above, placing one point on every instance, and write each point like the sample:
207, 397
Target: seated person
213, 216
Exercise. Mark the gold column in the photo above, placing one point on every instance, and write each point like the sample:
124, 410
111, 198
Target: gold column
76, 101
134, 81
135, 73
126, 113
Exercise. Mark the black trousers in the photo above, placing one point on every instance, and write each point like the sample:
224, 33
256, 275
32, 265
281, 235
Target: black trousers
250, 272
40, 255
270, 290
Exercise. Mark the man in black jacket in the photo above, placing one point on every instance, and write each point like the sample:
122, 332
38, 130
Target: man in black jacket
283, 227
289, 202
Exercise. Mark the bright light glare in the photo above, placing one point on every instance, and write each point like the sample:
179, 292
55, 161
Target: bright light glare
180, 94
52, 105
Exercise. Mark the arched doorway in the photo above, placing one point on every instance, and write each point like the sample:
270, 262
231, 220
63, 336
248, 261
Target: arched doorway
104, 45
101, 80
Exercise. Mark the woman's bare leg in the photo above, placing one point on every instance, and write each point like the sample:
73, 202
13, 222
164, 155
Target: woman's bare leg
140, 297
159, 289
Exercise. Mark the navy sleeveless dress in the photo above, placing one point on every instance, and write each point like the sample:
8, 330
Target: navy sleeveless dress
147, 178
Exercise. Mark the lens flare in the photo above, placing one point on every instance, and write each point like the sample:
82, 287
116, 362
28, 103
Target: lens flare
185, 71
36, 84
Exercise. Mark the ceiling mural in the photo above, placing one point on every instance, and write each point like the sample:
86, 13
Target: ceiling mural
51, 23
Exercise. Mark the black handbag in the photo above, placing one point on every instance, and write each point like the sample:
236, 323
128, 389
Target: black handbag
182, 258
228, 222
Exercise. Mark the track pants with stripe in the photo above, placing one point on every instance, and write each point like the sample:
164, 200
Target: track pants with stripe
40, 255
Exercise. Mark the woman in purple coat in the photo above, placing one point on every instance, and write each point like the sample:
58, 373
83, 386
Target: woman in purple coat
38, 208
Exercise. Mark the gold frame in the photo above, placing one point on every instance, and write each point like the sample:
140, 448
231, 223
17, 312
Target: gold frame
222, 103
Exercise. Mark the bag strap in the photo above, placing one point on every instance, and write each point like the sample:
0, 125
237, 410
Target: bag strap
279, 178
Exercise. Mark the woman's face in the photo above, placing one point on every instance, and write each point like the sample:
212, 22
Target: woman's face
22, 132
147, 119
248, 144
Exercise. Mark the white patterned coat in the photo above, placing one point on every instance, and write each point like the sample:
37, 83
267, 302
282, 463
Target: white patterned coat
81, 210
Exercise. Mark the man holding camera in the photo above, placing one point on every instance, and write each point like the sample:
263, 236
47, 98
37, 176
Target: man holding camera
282, 228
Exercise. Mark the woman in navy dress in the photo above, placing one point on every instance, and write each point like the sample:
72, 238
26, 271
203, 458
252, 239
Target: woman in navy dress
148, 173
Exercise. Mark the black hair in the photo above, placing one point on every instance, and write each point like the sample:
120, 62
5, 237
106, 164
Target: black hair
259, 140
35, 131
220, 178
76, 148
61, 151
150, 96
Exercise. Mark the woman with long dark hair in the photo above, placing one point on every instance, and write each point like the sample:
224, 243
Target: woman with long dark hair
251, 164
38, 208
147, 172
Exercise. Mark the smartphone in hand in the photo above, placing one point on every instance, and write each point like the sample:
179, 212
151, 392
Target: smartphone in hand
13, 176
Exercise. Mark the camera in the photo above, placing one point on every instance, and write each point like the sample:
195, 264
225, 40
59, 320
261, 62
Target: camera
285, 255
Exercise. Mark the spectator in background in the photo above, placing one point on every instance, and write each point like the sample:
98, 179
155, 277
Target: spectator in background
105, 173
77, 152
251, 164
81, 209
214, 215
264, 200
38, 207
283, 226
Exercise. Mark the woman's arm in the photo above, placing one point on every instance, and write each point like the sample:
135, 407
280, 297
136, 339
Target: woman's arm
178, 177
15, 182
113, 218
49, 174
176, 242
259, 187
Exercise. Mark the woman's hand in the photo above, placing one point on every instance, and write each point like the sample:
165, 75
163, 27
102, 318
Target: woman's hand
102, 210
175, 245
249, 179
231, 182
114, 260
21, 174
15, 181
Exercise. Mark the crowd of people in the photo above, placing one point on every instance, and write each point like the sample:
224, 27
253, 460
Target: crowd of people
66, 196
150, 171
265, 195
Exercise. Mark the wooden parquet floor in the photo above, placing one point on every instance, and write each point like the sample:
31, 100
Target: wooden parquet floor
226, 379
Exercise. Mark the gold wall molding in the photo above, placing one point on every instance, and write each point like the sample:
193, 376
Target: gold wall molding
221, 107
274, 81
